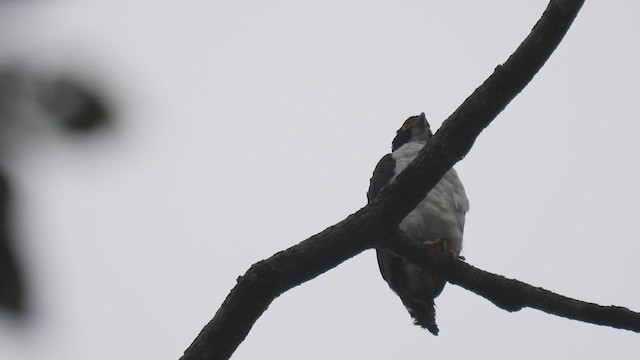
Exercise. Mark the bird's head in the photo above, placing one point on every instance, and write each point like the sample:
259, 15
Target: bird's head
414, 129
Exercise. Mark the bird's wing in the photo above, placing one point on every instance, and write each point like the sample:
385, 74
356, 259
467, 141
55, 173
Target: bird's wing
382, 176
416, 287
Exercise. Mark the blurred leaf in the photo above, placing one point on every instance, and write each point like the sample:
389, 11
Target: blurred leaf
11, 277
72, 104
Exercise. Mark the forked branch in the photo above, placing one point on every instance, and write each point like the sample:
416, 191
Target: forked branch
376, 223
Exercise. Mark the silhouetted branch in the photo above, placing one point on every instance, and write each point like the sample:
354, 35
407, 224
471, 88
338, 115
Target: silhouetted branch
510, 294
377, 222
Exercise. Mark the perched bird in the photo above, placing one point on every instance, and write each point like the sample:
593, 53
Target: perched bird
437, 220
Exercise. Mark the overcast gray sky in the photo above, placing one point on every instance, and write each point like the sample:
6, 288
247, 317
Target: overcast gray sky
245, 127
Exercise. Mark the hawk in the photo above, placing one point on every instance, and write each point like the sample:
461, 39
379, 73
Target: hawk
437, 220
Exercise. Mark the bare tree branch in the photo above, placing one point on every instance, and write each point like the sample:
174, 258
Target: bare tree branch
377, 222
510, 294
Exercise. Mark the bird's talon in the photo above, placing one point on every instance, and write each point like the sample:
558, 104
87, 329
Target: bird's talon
444, 245
437, 242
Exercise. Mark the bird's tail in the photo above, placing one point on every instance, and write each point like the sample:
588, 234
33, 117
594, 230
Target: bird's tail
422, 312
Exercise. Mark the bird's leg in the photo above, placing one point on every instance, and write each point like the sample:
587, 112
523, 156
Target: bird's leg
444, 245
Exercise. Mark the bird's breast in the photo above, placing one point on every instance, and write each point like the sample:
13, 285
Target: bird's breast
441, 213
